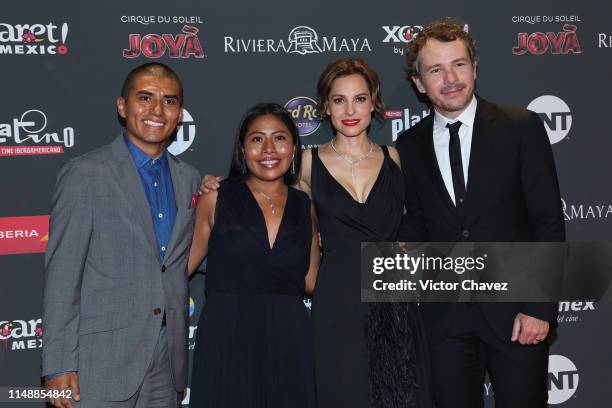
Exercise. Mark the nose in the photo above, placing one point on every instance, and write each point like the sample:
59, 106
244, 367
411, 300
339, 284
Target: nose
350, 108
451, 76
157, 106
268, 145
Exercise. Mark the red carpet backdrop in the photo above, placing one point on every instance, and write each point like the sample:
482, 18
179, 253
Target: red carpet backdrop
63, 64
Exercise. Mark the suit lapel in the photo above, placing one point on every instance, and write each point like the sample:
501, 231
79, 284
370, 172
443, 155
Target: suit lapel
182, 196
126, 176
479, 167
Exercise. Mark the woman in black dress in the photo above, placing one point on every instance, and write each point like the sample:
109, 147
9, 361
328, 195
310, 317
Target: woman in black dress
367, 355
254, 340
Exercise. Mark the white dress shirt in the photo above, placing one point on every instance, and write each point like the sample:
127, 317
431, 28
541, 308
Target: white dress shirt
441, 138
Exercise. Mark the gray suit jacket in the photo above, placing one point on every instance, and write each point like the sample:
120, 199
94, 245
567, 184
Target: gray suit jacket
104, 285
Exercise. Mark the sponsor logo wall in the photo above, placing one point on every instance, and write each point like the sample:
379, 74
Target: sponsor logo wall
63, 65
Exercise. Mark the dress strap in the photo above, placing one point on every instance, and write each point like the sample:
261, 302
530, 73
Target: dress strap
385, 150
315, 151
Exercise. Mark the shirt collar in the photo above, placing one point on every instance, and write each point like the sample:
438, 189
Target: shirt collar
466, 117
139, 157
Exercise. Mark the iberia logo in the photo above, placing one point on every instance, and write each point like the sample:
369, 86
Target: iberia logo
24, 235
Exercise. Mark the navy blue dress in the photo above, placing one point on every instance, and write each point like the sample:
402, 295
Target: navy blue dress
254, 345
367, 355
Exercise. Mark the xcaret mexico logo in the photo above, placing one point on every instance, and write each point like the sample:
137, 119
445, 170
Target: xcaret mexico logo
24, 235
555, 114
186, 44
28, 135
305, 115
33, 39
20, 334
301, 40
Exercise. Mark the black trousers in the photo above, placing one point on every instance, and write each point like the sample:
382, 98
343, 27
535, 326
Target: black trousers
518, 372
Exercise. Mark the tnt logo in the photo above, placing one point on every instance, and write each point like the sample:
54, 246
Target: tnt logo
185, 135
562, 379
555, 114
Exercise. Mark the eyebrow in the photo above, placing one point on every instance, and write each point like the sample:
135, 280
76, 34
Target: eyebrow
361, 94
147, 93
452, 62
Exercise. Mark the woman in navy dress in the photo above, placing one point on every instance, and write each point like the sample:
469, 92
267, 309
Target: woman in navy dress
254, 340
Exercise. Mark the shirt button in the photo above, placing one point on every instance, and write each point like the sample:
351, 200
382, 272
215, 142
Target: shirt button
160, 215
466, 233
461, 200
155, 184
156, 311
163, 248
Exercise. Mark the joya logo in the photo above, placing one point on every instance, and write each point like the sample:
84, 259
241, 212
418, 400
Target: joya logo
538, 43
182, 45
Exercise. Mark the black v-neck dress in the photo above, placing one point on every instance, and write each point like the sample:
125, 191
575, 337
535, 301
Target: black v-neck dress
367, 355
254, 338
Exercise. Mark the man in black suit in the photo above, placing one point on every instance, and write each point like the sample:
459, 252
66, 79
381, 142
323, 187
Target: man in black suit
476, 171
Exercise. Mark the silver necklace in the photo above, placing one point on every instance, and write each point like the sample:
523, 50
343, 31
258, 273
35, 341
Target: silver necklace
270, 203
351, 162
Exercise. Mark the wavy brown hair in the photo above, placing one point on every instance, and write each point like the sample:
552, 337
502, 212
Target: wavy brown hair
345, 67
444, 30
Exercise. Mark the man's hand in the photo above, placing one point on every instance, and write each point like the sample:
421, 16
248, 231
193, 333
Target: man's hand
529, 330
68, 381
209, 183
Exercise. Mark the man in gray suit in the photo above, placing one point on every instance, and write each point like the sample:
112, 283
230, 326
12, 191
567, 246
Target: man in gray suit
115, 293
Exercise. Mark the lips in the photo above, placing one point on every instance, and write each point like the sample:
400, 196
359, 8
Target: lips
269, 163
453, 90
153, 123
350, 122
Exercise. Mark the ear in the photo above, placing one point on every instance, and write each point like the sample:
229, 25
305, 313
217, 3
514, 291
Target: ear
475, 69
180, 118
419, 84
120, 102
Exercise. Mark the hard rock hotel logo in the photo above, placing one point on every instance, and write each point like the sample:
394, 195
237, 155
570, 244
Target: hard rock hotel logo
305, 115
301, 40
33, 39
186, 44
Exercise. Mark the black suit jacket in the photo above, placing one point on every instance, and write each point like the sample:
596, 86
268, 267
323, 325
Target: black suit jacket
512, 195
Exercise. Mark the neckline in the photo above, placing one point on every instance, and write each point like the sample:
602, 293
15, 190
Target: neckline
266, 234
378, 175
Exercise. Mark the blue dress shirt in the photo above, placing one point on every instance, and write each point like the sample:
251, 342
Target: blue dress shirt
157, 182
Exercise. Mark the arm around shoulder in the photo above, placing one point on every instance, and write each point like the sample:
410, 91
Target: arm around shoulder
204, 223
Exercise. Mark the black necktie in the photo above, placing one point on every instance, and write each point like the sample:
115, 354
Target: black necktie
454, 152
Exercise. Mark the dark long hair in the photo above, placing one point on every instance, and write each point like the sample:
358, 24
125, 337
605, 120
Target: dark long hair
238, 169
